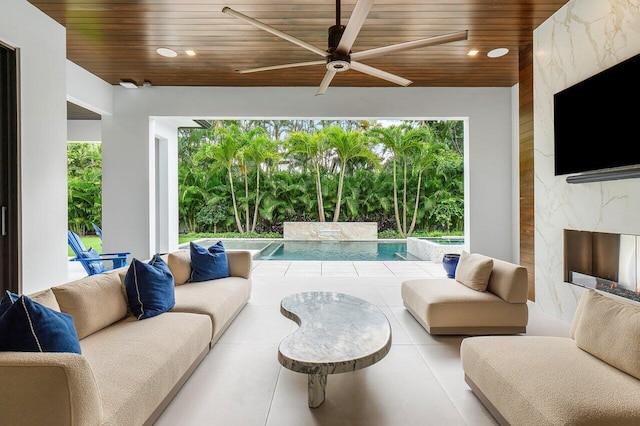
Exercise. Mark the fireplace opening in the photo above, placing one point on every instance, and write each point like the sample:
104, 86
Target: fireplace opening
603, 261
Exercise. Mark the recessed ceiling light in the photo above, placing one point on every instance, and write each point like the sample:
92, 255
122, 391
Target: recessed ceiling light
496, 53
164, 51
190, 52
473, 52
128, 84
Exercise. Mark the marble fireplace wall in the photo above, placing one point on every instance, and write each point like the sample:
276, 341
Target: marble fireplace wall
580, 40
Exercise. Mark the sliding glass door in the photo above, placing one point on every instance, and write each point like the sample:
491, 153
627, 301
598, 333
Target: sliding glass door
9, 172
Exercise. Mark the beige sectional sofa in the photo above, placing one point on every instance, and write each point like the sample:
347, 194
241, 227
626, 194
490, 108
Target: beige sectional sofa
590, 378
129, 369
487, 296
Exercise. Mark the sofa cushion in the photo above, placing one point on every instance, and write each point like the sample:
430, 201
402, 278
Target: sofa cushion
94, 302
180, 265
548, 381
446, 305
208, 263
149, 287
136, 364
609, 328
219, 299
474, 270
27, 326
509, 281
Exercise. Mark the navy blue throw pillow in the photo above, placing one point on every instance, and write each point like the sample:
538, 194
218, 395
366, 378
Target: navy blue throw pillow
150, 287
7, 301
208, 264
28, 326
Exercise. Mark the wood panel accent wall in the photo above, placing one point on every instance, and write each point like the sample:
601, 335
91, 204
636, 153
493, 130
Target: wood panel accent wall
527, 229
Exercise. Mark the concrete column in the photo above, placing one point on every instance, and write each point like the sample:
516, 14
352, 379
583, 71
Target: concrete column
127, 181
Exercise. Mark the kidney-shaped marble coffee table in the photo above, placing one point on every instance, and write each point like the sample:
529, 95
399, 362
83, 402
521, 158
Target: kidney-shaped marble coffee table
337, 333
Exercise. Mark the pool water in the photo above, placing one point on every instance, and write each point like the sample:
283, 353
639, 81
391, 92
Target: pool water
319, 250
445, 241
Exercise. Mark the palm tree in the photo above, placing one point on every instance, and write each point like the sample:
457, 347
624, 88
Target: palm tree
348, 145
424, 159
225, 154
247, 139
258, 150
400, 140
312, 147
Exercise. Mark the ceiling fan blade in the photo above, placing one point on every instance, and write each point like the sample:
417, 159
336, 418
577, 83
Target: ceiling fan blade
400, 47
328, 76
357, 18
273, 31
359, 66
279, 67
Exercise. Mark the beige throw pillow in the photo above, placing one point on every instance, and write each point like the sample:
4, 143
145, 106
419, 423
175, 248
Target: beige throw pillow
179, 263
46, 298
94, 302
474, 270
608, 327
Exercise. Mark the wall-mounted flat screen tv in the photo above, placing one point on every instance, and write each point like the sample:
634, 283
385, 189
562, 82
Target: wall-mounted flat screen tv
597, 121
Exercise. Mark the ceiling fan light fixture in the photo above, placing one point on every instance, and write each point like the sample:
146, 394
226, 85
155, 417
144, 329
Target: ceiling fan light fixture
496, 53
338, 65
166, 52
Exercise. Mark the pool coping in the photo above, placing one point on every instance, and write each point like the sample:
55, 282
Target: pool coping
425, 249
255, 252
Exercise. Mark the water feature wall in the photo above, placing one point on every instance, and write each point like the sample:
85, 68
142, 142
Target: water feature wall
337, 231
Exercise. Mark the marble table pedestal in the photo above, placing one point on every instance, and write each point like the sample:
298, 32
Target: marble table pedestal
317, 388
337, 333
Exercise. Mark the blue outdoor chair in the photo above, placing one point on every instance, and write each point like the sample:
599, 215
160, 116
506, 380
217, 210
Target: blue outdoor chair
92, 261
97, 229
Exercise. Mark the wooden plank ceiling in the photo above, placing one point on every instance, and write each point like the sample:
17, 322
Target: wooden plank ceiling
117, 40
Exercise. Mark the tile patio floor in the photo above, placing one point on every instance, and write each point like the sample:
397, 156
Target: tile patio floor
420, 381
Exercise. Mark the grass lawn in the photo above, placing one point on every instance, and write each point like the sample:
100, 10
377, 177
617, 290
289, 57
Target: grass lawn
95, 242
88, 241
186, 238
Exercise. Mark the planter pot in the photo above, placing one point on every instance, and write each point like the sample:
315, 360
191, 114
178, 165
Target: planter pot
449, 263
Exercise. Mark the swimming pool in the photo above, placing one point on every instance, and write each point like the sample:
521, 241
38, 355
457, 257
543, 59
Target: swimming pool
381, 250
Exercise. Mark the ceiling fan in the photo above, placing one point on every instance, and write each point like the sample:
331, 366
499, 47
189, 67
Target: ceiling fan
339, 57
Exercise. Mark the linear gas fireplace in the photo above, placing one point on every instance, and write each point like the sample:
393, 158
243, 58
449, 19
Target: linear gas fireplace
603, 261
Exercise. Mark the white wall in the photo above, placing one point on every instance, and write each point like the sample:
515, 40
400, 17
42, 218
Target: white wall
581, 39
43, 151
166, 135
88, 91
84, 131
128, 140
